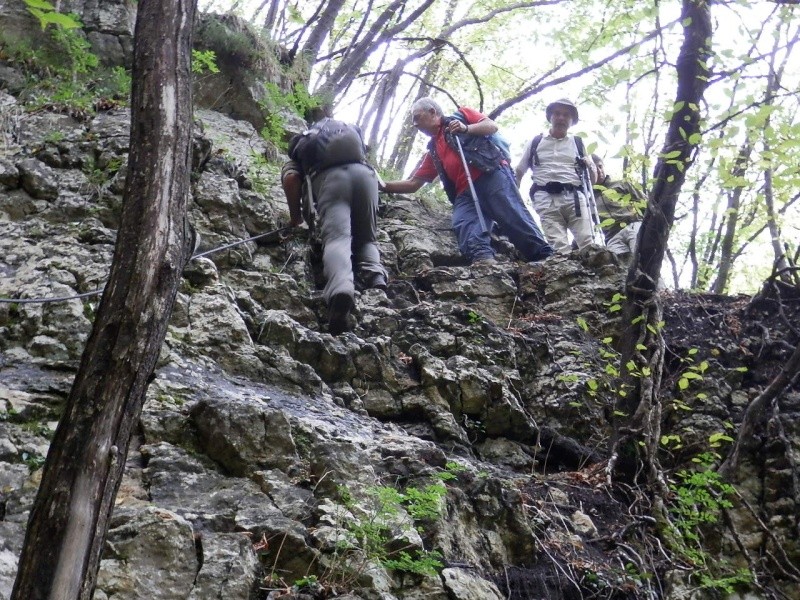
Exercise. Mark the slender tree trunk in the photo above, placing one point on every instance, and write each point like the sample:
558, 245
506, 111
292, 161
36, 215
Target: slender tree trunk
382, 94
732, 226
379, 32
321, 31
269, 28
401, 152
84, 466
780, 263
640, 312
692, 250
773, 85
711, 247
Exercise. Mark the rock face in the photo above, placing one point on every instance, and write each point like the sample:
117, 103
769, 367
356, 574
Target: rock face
451, 446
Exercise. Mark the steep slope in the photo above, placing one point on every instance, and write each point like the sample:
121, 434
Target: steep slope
464, 421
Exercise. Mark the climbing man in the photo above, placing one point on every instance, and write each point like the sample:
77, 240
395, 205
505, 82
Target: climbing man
557, 161
329, 161
619, 205
483, 193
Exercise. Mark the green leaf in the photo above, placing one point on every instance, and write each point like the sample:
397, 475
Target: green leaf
673, 154
716, 438
40, 4
63, 21
39, 15
592, 383
582, 323
683, 383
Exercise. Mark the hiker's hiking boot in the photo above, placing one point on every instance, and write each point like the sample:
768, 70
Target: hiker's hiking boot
541, 257
376, 282
484, 261
339, 310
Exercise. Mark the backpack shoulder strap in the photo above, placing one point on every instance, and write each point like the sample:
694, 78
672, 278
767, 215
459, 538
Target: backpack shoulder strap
534, 154
460, 116
580, 146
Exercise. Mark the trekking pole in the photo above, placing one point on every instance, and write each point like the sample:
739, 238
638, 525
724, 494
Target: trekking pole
471, 185
597, 232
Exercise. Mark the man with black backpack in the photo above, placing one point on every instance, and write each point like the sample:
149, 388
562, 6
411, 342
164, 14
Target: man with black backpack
620, 205
560, 171
465, 154
331, 157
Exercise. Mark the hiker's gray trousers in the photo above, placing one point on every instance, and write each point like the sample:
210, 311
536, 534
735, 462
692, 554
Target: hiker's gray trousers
625, 240
347, 205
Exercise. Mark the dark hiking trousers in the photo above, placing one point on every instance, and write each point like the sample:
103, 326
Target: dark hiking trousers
500, 202
347, 205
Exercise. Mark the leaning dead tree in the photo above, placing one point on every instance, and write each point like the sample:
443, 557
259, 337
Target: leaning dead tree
641, 345
67, 526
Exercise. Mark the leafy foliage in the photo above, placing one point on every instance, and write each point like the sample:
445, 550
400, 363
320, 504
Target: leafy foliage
204, 61
65, 73
699, 498
47, 15
276, 103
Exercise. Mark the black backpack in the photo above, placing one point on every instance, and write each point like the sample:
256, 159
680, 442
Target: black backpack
538, 140
326, 144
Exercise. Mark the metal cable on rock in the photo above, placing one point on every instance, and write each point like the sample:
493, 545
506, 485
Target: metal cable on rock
276, 232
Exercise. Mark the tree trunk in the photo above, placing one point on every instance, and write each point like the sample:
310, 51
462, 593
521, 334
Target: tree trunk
84, 466
639, 310
269, 28
732, 226
379, 32
773, 85
398, 161
321, 31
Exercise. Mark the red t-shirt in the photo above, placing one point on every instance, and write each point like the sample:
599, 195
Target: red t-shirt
451, 159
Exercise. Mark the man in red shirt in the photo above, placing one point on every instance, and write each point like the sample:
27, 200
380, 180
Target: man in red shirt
496, 197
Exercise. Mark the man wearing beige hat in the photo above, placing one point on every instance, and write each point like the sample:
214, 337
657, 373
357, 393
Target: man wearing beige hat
557, 160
